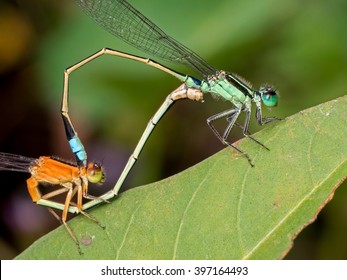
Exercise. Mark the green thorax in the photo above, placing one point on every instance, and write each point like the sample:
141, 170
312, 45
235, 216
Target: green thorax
225, 86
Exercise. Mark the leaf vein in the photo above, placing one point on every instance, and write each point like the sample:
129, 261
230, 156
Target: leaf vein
187, 207
306, 197
128, 228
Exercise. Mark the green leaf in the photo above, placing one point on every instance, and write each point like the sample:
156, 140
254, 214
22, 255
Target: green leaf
222, 208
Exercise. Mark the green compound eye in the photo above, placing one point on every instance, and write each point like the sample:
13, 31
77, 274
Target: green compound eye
95, 173
269, 96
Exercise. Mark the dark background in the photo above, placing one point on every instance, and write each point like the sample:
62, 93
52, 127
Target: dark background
300, 47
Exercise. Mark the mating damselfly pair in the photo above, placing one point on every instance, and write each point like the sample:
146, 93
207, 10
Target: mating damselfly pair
124, 21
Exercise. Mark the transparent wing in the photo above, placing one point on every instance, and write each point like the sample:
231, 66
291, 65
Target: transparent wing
124, 21
13, 162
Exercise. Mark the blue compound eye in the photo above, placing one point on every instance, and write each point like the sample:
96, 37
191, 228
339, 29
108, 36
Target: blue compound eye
269, 96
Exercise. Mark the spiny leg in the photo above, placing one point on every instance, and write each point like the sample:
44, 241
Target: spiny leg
97, 198
71, 193
261, 120
80, 189
232, 115
38, 198
246, 131
248, 135
55, 193
69, 230
90, 217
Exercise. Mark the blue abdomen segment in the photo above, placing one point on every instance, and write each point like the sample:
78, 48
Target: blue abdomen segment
74, 142
196, 81
78, 149
192, 82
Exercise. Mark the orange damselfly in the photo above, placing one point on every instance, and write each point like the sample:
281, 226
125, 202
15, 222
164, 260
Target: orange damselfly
69, 178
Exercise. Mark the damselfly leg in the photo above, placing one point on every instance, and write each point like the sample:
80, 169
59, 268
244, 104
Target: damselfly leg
66, 177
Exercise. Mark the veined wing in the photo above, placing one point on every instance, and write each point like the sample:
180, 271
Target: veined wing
13, 162
124, 21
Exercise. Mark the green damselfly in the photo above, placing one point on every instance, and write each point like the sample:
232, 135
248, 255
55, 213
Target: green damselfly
124, 21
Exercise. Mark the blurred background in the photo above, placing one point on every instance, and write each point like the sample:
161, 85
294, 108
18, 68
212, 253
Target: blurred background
300, 47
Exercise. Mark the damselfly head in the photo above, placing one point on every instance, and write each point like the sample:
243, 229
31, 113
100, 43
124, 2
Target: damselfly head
95, 173
269, 96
